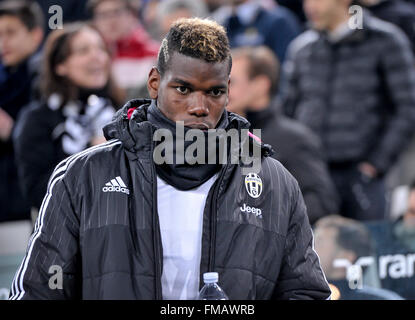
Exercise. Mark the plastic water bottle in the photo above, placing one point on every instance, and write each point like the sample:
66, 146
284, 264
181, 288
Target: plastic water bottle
211, 289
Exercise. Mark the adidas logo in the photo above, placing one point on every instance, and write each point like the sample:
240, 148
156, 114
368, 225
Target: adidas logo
116, 185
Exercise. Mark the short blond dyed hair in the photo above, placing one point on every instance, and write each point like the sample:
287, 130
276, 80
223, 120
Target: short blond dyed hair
198, 38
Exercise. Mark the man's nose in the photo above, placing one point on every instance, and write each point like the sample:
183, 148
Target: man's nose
199, 106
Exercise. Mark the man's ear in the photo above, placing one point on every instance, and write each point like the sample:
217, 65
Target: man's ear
262, 84
228, 91
153, 83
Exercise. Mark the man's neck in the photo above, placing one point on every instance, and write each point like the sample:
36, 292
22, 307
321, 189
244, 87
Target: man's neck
340, 31
339, 22
370, 3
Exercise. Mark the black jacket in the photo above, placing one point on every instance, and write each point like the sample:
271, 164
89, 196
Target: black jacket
16, 90
108, 244
299, 150
357, 94
45, 134
398, 12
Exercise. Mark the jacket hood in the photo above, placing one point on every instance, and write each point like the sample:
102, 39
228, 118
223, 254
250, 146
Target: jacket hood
118, 127
131, 126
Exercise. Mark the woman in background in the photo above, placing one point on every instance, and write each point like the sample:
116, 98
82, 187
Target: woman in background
78, 99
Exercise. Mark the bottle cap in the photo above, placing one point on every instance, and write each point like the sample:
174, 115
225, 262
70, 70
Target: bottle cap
210, 277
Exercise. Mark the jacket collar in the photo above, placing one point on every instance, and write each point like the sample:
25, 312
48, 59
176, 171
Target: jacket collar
260, 118
131, 126
357, 35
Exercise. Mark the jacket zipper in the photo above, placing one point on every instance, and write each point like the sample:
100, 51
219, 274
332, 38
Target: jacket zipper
158, 259
329, 95
213, 216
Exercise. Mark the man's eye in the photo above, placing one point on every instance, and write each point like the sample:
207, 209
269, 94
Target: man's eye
182, 90
217, 92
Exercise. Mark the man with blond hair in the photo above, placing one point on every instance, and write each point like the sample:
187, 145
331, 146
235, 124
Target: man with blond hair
122, 225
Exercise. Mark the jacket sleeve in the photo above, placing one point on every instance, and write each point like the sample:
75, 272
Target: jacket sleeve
397, 69
51, 266
289, 91
301, 276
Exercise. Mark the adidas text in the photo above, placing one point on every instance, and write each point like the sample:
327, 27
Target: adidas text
115, 189
116, 185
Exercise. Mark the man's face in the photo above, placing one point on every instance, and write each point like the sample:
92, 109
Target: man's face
329, 250
326, 248
88, 64
322, 13
409, 217
191, 90
242, 93
16, 41
113, 19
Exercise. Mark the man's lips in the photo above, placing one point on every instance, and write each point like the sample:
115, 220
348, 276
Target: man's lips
198, 125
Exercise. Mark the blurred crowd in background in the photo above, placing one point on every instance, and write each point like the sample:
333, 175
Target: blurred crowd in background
330, 83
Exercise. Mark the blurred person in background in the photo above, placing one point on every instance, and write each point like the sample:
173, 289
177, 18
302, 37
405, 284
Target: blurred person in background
170, 10
402, 14
21, 35
398, 12
406, 227
339, 239
249, 23
296, 6
126, 227
355, 88
213, 5
133, 51
149, 16
254, 83
395, 242
77, 101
